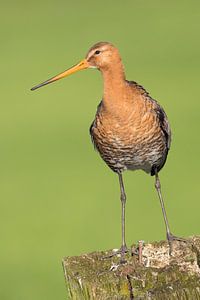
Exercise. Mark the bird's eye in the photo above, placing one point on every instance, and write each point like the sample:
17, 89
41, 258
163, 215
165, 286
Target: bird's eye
97, 52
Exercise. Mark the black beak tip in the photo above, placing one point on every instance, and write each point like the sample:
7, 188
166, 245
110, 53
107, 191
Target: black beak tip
40, 85
35, 87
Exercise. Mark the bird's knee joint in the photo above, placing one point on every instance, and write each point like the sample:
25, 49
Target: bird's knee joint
157, 185
123, 198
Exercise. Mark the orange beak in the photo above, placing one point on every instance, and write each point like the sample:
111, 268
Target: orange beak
80, 66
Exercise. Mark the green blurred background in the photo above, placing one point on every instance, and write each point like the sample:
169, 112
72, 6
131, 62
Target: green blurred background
57, 197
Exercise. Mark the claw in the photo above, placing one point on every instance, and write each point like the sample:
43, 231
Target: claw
171, 238
121, 252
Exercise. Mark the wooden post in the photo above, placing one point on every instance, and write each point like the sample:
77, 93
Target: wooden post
155, 275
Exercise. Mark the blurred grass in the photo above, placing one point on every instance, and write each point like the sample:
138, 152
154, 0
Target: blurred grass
57, 197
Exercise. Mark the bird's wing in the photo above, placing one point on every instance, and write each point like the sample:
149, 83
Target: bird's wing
93, 125
159, 111
164, 123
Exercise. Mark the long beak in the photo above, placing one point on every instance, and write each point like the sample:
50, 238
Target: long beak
80, 66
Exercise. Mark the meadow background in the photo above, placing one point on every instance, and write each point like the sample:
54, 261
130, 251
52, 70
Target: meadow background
57, 198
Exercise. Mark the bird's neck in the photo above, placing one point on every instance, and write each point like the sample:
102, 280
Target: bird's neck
115, 86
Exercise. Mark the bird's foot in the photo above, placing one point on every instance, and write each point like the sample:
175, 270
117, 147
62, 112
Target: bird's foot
125, 250
171, 238
119, 252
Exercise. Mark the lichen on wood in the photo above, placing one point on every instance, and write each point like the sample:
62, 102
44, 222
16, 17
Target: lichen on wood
160, 276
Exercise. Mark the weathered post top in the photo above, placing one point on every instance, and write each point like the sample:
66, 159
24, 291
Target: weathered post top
157, 276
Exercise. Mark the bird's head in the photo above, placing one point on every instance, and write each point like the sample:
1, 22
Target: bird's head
100, 56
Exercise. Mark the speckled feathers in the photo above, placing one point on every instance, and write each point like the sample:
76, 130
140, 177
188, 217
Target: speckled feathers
132, 135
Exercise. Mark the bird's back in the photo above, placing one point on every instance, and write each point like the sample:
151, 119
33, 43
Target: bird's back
133, 136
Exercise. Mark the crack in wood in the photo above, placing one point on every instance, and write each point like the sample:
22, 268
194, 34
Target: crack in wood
165, 277
130, 287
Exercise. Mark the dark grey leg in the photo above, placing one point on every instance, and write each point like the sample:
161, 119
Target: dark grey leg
170, 237
123, 248
158, 188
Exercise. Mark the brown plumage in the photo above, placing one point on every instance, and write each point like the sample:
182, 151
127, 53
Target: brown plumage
131, 130
135, 138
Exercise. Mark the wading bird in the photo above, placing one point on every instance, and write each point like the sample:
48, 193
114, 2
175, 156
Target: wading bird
130, 130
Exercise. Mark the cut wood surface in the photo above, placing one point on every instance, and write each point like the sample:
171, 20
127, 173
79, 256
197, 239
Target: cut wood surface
157, 276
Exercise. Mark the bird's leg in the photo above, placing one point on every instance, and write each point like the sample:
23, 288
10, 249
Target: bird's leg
170, 236
123, 248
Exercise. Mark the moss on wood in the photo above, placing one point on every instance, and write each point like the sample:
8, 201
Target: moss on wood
160, 276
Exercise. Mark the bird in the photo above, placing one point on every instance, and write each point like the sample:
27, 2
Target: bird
130, 130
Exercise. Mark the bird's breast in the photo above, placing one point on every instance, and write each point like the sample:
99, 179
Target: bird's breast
129, 141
